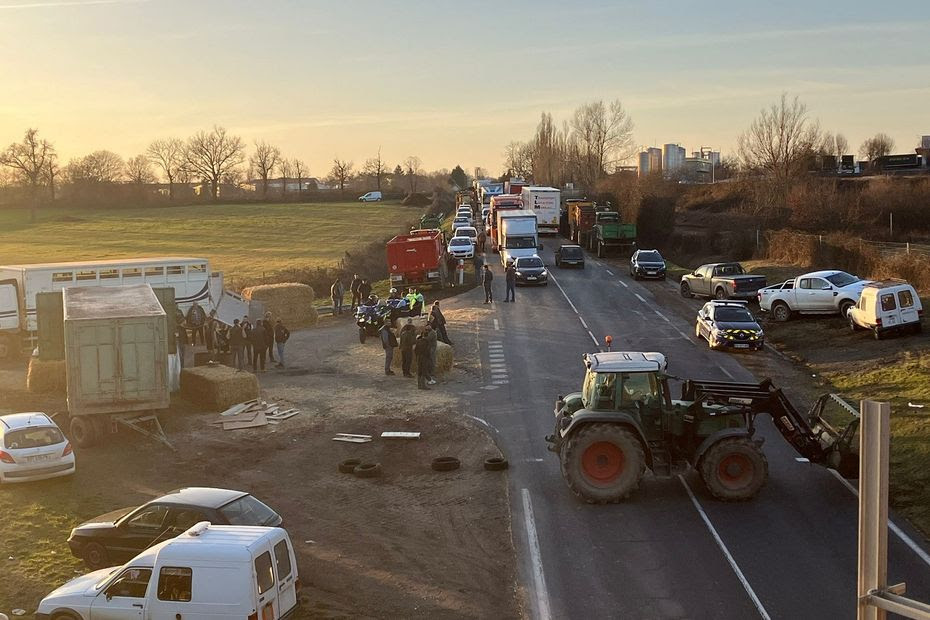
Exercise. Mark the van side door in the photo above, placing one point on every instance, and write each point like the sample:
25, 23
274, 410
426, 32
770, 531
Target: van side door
286, 571
266, 587
124, 598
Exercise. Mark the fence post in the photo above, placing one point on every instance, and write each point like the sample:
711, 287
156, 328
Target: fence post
873, 505
820, 240
908, 247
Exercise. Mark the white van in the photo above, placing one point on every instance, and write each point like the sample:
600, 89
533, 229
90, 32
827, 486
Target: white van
210, 572
885, 306
370, 197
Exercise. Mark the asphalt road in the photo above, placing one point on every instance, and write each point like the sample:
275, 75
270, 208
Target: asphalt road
670, 550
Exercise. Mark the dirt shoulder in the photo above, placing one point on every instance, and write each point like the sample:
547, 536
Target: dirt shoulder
413, 543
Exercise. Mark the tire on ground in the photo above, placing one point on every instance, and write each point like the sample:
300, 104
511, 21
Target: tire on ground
348, 466
734, 469
95, 556
603, 462
496, 463
844, 307
367, 470
781, 311
445, 463
685, 290
721, 293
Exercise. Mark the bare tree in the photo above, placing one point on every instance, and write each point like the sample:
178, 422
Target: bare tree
879, 145
376, 167
284, 167
603, 134
413, 169
341, 172
300, 169
214, 155
518, 159
97, 168
168, 155
30, 161
264, 161
780, 142
840, 145
139, 170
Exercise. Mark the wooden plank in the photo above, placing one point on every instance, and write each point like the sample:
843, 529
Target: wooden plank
283, 416
351, 435
245, 416
352, 439
259, 420
399, 435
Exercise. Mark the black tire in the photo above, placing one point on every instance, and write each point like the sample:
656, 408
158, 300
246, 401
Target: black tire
496, 463
82, 432
348, 466
95, 556
734, 469
844, 307
362, 335
781, 312
64, 615
721, 293
602, 463
685, 290
445, 463
367, 470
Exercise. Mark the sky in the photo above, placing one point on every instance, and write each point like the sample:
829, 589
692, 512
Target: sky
451, 82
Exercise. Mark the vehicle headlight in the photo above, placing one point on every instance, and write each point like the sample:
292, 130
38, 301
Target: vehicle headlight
519, 273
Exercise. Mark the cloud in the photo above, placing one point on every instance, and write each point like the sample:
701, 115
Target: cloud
63, 3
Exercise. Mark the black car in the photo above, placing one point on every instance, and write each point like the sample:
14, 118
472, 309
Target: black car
569, 255
729, 325
116, 537
531, 270
647, 264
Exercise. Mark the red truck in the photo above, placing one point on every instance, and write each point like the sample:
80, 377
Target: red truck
417, 258
503, 202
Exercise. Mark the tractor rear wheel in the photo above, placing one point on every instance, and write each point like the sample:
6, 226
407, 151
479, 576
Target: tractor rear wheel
602, 463
734, 469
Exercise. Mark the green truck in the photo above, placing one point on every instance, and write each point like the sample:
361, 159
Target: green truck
610, 234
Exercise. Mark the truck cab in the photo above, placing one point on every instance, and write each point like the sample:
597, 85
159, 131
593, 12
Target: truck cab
10, 318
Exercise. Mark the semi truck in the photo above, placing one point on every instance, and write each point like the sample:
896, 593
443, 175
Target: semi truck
417, 259
191, 279
545, 202
517, 234
499, 204
489, 191
610, 234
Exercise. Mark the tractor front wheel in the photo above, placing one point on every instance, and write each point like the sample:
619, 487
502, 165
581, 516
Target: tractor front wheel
734, 469
602, 463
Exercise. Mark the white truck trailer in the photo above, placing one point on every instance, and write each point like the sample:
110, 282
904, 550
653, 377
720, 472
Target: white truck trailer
191, 279
545, 203
517, 235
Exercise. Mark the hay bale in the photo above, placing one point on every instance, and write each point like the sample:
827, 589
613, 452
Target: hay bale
444, 359
47, 376
218, 387
291, 302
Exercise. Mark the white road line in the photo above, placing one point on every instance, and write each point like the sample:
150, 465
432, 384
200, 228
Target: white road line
580, 318
470, 393
596, 343
683, 334
497, 343
609, 272
503, 382
625, 285
726, 552
639, 297
726, 372
539, 578
907, 540
563, 293
489, 387
496, 324
662, 316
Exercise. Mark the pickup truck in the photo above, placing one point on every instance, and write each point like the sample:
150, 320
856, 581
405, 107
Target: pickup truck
818, 292
721, 281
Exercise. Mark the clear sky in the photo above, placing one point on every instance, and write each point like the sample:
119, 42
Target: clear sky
451, 82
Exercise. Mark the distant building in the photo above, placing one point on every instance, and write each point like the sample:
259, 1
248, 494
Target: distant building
697, 170
650, 161
673, 158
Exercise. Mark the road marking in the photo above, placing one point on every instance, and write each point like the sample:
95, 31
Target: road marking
580, 318
639, 297
625, 285
801, 459
496, 324
489, 387
539, 578
663, 317
596, 343
726, 372
503, 382
499, 357
609, 272
683, 334
564, 294
726, 552
495, 343
533, 460
907, 540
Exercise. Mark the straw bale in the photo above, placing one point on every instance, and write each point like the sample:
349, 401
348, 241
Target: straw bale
291, 302
218, 387
444, 359
47, 376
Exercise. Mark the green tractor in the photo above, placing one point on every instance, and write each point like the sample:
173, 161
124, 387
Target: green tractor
609, 234
624, 420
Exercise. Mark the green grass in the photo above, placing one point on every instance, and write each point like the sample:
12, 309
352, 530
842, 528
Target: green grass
246, 241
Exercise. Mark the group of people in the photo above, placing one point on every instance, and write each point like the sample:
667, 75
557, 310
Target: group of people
416, 344
247, 342
510, 279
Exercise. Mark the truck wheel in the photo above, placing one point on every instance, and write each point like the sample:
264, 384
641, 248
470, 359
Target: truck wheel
602, 463
781, 311
95, 556
686, 290
845, 305
734, 469
721, 293
361, 335
83, 432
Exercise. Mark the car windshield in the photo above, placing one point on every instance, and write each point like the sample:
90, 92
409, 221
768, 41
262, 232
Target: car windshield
460, 220
733, 315
529, 263
842, 279
468, 232
460, 241
649, 257
520, 243
33, 437
248, 511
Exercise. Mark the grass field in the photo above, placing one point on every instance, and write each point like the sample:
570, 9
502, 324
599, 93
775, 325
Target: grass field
244, 241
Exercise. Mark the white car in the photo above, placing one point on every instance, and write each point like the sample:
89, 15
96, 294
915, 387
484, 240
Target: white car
467, 231
464, 212
461, 247
889, 306
370, 197
459, 222
818, 292
32, 447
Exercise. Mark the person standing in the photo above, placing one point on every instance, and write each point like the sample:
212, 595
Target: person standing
281, 334
431, 339
421, 350
364, 289
486, 280
482, 238
247, 333
337, 292
354, 287
408, 339
196, 318
237, 343
510, 277
438, 321
259, 345
210, 331
479, 265
268, 325
389, 342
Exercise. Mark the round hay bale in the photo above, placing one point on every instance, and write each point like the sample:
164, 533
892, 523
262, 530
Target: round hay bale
291, 302
444, 359
218, 387
47, 376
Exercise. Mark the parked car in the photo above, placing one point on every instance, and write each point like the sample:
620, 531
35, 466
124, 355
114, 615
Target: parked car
115, 537
887, 306
459, 222
467, 231
647, 264
818, 292
569, 254
729, 325
464, 211
461, 247
32, 447
721, 281
531, 270
370, 197
207, 572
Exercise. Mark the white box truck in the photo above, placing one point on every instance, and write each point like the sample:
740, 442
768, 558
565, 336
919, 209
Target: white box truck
517, 235
545, 203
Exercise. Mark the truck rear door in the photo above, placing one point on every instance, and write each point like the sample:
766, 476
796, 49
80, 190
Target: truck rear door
909, 313
286, 572
9, 307
266, 587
